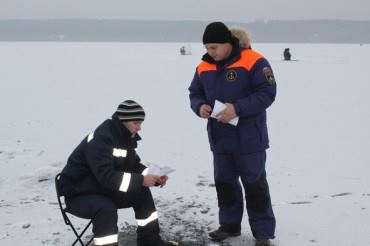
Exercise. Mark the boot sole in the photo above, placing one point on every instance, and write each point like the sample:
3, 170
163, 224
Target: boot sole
221, 239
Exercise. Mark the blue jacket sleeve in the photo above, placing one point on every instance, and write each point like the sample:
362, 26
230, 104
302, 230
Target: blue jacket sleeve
264, 90
99, 154
197, 95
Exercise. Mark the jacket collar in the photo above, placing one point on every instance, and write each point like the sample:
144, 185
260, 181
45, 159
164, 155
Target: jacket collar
122, 130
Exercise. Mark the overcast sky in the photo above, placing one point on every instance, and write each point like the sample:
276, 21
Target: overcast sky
226, 10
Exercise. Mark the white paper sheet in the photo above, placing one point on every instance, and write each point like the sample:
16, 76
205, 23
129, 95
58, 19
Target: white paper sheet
219, 106
159, 171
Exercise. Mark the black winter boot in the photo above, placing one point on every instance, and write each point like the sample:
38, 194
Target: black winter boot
263, 242
220, 234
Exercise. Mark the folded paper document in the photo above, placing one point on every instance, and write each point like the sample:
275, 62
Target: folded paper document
219, 106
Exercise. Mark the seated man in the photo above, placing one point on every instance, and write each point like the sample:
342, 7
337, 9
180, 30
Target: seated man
104, 174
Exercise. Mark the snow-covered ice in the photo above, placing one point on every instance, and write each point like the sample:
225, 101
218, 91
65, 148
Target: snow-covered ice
54, 94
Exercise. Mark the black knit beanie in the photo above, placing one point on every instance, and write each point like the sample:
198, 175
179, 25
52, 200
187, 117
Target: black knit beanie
130, 110
217, 32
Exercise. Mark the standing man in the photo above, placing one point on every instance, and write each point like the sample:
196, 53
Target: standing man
104, 174
243, 80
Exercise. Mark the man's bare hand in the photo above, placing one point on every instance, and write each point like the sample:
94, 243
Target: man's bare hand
150, 180
162, 180
205, 111
227, 114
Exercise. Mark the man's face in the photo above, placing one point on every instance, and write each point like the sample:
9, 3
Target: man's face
133, 126
217, 51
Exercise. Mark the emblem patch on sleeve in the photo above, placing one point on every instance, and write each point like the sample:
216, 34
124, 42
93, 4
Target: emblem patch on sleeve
269, 75
231, 75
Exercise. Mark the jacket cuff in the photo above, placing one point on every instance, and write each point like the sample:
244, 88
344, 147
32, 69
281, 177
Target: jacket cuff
237, 109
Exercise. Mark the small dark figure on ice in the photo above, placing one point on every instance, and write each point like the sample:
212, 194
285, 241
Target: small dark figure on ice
182, 50
287, 55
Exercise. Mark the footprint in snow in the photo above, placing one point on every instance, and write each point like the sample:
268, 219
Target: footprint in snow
300, 202
341, 194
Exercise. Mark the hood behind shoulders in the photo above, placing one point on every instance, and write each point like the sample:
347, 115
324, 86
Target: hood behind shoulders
245, 40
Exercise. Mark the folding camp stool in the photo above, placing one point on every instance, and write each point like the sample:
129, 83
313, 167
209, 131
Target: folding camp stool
67, 221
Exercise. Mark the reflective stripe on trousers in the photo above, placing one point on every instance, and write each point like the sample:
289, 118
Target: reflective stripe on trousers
106, 240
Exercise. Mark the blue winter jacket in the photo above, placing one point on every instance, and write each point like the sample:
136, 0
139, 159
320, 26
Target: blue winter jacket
104, 162
245, 80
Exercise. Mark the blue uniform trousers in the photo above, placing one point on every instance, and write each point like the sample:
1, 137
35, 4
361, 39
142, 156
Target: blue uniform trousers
102, 209
250, 168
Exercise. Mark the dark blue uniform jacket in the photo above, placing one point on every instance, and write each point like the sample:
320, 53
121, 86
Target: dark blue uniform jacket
245, 80
104, 162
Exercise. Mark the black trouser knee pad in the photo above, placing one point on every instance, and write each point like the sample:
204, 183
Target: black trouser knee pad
225, 194
257, 196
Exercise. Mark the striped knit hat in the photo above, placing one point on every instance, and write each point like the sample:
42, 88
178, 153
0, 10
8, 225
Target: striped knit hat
130, 110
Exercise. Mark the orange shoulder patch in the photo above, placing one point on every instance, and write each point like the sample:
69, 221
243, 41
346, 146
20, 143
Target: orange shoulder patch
247, 60
204, 67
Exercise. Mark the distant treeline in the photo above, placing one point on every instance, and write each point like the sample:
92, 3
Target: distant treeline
74, 30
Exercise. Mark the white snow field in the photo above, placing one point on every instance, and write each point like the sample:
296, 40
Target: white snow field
53, 94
